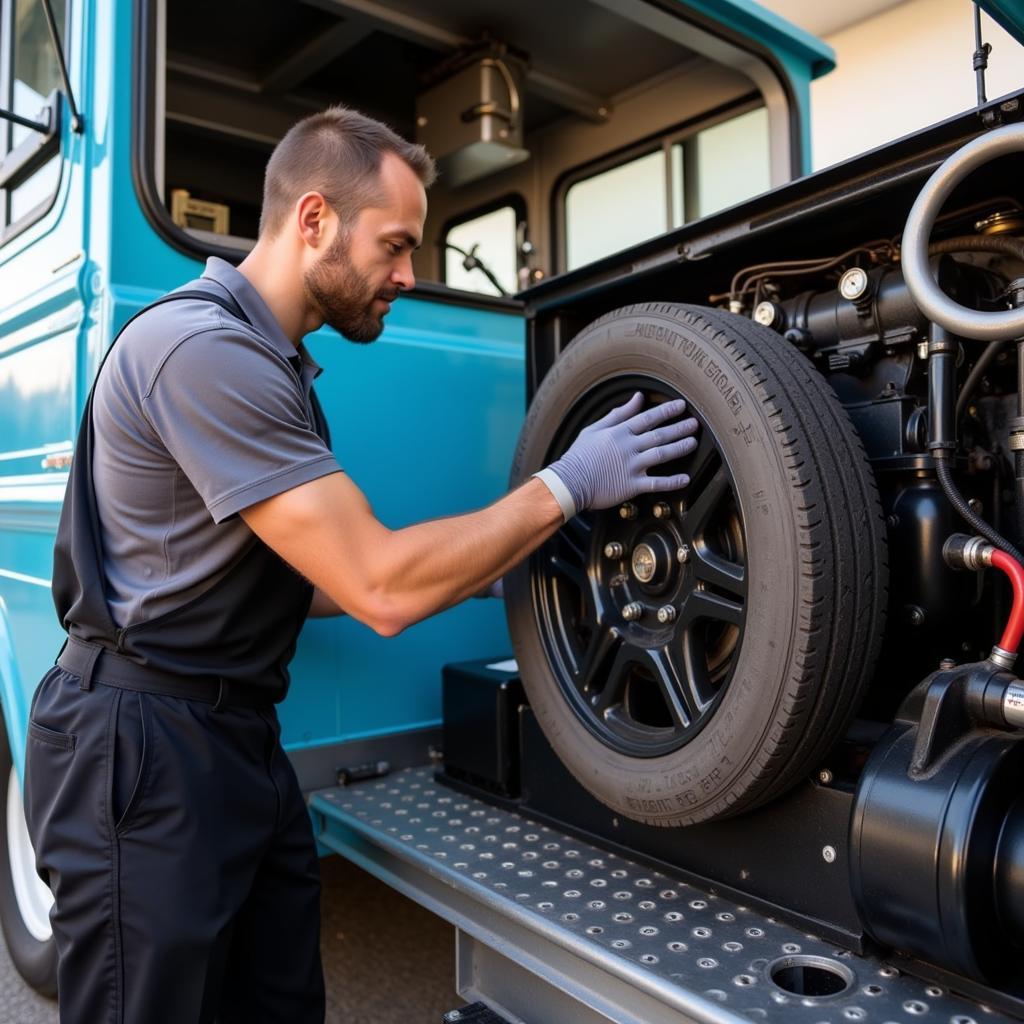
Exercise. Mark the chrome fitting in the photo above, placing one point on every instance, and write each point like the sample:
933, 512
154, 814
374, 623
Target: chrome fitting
1016, 434
613, 549
663, 510
666, 614
632, 611
1013, 705
766, 313
1002, 658
963, 552
682, 554
628, 511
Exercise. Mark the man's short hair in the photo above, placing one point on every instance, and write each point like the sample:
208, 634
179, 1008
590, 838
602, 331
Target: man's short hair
338, 153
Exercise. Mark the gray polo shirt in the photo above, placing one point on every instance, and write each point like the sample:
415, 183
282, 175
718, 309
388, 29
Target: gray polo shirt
196, 416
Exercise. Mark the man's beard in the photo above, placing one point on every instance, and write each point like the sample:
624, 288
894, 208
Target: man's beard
345, 296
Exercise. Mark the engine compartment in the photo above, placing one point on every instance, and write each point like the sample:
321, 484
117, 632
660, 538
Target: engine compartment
840, 230
917, 799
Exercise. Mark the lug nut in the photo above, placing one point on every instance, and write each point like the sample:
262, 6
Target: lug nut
666, 613
683, 554
632, 611
613, 550
663, 510
628, 511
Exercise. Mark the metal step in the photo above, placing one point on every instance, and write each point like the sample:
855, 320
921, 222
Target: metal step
552, 930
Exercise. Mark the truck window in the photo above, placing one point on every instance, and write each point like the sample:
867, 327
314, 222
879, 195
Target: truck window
214, 104
614, 209
727, 163
26, 50
690, 174
491, 238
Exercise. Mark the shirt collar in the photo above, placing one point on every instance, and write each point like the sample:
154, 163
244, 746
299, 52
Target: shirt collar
235, 282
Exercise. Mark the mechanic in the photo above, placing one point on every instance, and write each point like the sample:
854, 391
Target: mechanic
205, 518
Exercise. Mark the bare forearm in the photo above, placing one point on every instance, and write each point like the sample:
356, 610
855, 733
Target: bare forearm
390, 579
436, 564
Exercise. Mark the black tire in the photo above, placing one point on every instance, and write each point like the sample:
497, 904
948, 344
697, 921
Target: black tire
35, 960
782, 507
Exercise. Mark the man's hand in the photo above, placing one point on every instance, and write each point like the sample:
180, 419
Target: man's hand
390, 579
607, 464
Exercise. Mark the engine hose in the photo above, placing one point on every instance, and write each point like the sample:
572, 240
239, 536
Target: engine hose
977, 372
998, 244
1015, 624
968, 514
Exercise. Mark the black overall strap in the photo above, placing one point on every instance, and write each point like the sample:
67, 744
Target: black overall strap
81, 488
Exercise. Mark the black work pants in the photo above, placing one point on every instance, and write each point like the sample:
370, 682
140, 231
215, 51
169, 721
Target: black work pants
181, 856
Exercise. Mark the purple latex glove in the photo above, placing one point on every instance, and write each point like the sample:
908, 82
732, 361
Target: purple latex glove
496, 589
607, 464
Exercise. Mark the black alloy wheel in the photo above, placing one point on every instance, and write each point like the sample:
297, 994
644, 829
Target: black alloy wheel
692, 655
643, 604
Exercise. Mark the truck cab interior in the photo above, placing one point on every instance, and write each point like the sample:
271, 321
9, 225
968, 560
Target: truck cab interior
564, 132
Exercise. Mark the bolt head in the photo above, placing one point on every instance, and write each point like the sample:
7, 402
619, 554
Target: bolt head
662, 510
613, 549
628, 511
825, 777
682, 554
764, 313
632, 611
666, 614
828, 854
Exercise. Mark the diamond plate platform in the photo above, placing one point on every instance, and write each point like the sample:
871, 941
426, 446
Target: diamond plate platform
552, 930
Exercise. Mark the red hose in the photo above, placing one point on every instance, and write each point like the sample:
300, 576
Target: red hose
1015, 624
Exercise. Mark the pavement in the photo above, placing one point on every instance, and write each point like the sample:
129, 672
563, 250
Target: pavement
386, 959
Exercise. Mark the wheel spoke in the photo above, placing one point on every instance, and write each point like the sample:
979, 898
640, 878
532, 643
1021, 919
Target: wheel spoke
719, 572
568, 570
700, 688
699, 514
703, 604
615, 681
577, 534
699, 462
600, 653
670, 676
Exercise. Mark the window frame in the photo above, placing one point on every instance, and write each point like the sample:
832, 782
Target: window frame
37, 149
148, 80
513, 199
663, 142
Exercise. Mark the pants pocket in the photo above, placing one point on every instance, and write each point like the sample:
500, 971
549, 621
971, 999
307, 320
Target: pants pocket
61, 740
131, 754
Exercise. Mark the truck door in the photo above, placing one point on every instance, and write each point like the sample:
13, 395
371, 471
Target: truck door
43, 263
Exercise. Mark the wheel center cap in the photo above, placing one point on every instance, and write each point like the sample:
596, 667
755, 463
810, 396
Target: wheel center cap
645, 563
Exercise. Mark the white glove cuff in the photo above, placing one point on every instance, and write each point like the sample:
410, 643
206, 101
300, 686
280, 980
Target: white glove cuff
559, 490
